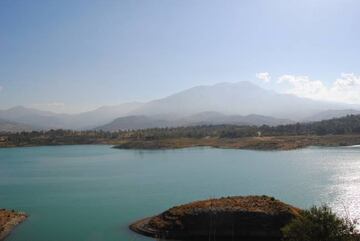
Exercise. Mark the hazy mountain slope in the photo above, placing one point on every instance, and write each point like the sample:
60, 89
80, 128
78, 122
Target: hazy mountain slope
8, 126
215, 118
100, 116
330, 114
258, 120
134, 123
49, 120
242, 98
204, 118
32, 117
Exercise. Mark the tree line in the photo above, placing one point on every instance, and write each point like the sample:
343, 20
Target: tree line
340, 126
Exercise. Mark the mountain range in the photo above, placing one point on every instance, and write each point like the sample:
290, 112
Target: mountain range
45, 120
224, 103
203, 118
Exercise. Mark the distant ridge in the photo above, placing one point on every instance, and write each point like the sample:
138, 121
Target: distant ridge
48, 120
32, 117
204, 118
134, 123
242, 103
216, 118
330, 114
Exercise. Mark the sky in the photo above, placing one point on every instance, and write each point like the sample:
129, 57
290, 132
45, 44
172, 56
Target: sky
76, 55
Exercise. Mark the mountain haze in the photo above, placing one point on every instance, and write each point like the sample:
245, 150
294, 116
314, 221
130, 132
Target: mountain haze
242, 98
33, 117
330, 114
241, 103
8, 126
204, 118
100, 116
216, 118
135, 123
48, 120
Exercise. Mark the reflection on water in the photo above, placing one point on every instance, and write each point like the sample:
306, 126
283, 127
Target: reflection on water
345, 183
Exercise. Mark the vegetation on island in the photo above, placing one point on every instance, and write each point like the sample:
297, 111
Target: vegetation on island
248, 218
226, 218
321, 224
334, 132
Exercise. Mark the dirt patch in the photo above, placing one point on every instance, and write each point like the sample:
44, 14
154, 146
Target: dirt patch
9, 219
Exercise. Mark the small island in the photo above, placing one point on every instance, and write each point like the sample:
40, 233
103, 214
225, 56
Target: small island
9, 219
228, 218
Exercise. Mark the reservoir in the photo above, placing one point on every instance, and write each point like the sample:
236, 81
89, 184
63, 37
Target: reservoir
93, 192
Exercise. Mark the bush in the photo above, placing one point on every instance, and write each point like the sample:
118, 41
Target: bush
320, 224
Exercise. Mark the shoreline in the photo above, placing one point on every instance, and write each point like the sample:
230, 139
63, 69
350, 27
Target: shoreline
265, 143
140, 227
9, 220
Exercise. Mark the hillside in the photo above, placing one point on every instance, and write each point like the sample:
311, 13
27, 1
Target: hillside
46, 120
204, 118
134, 123
8, 126
216, 118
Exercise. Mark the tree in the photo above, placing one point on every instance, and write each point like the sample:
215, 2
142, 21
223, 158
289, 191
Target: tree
320, 224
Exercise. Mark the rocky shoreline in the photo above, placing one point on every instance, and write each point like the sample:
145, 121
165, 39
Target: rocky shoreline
9, 219
231, 218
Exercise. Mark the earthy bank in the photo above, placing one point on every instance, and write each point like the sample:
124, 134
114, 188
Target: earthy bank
9, 220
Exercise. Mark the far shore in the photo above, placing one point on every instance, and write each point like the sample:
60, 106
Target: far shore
250, 143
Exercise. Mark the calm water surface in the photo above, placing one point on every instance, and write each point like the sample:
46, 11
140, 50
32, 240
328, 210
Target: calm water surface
78, 193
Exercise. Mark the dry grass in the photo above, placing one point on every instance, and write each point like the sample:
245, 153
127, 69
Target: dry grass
256, 143
264, 204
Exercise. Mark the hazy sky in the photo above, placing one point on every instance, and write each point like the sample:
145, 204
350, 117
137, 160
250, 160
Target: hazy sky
74, 55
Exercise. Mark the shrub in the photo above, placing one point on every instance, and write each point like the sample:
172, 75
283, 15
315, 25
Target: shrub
320, 224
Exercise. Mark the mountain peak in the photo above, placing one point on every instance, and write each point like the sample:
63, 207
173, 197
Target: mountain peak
237, 98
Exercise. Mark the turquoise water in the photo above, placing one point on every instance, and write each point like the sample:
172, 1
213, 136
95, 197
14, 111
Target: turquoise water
78, 193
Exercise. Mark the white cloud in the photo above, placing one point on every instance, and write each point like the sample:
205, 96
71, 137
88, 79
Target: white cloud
1, 88
303, 86
347, 87
264, 76
344, 89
